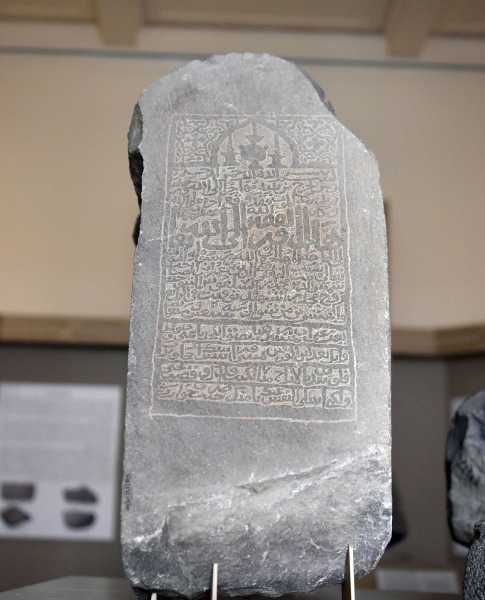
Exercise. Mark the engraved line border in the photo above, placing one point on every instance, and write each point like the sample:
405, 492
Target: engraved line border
157, 323
248, 343
161, 254
251, 362
349, 260
306, 421
288, 323
301, 409
253, 384
151, 413
263, 116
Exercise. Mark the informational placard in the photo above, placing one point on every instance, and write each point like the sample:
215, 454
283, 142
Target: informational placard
59, 448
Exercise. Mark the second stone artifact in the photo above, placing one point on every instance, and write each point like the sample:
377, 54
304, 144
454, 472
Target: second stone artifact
465, 469
258, 415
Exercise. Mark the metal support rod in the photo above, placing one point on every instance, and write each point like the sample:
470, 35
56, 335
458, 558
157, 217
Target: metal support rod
215, 570
348, 584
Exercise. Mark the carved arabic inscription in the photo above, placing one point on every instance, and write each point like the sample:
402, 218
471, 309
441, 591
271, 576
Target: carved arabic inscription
254, 320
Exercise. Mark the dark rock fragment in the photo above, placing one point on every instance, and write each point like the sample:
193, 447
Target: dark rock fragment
81, 494
18, 491
465, 468
14, 516
78, 520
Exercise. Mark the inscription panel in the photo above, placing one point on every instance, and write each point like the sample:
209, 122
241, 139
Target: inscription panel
254, 319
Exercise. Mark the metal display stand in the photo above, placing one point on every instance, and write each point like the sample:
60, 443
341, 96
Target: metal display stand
215, 573
348, 584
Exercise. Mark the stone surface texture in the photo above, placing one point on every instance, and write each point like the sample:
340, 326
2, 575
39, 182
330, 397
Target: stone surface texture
465, 468
474, 583
258, 410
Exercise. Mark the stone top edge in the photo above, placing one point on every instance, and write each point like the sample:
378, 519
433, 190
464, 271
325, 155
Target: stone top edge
217, 60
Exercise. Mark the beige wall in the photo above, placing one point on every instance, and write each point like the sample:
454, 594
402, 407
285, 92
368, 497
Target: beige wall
68, 205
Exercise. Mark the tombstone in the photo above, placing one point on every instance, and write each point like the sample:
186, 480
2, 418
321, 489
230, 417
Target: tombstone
465, 469
258, 415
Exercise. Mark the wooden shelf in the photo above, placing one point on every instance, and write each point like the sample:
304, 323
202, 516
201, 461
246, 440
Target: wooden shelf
450, 341
64, 330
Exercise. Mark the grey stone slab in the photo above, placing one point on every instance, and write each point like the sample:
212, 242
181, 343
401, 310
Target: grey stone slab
258, 415
465, 467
